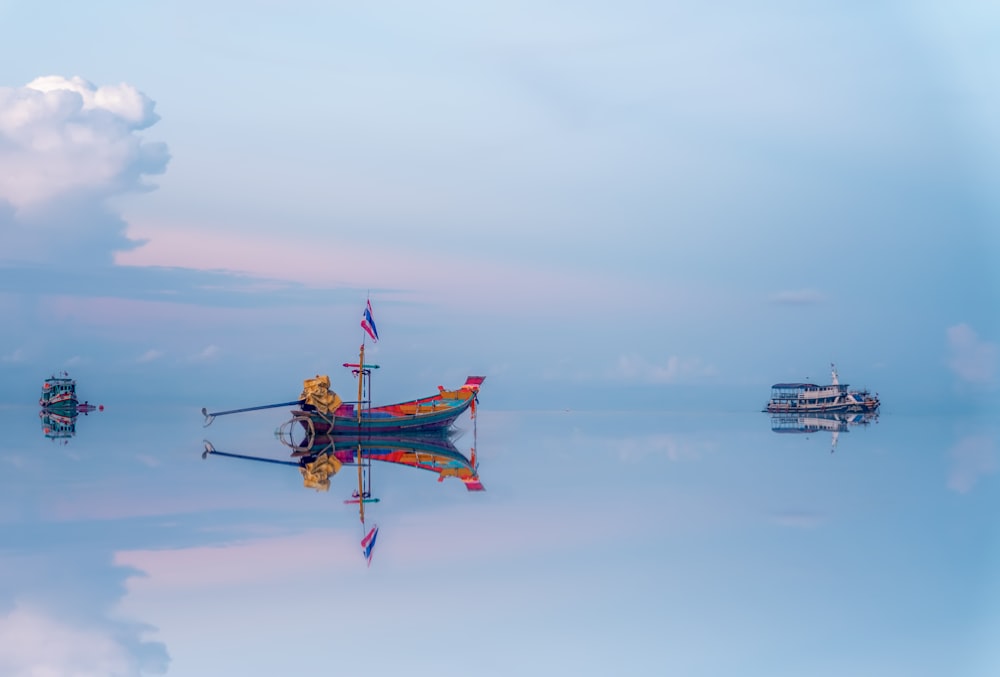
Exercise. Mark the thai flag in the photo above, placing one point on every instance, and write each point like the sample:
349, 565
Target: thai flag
368, 544
368, 323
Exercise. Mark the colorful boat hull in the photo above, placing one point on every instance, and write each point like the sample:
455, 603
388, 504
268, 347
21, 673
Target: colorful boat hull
432, 414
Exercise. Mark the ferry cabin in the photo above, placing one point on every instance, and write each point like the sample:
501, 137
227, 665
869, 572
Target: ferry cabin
808, 395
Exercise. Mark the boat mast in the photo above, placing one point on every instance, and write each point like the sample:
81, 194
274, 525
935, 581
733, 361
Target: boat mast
361, 382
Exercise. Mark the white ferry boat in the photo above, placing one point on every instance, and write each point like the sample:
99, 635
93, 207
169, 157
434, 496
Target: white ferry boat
809, 397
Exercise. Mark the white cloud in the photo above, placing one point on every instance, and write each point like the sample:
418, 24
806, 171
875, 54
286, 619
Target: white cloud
68, 145
66, 136
150, 355
798, 297
971, 458
33, 644
972, 359
637, 369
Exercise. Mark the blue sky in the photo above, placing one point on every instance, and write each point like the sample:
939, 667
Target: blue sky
629, 200
597, 206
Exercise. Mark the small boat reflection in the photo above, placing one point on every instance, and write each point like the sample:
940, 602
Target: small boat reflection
834, 423
58, 427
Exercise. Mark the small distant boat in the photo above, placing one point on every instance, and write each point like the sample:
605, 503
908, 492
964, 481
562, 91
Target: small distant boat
809, 397
59, 393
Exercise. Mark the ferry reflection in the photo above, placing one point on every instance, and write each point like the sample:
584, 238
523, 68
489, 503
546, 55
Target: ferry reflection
834, 423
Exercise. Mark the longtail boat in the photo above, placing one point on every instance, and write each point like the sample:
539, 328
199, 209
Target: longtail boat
435, 413
322, 411
337, 433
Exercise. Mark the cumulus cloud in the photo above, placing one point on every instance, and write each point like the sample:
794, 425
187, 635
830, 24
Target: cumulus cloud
972, 359
798, 297
971, 458
64, 136
66, 145
674, 370
34, 643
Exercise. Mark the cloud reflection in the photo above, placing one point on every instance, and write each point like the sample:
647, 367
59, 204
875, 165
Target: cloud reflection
56, 620
972, 359
34, 643
972, 458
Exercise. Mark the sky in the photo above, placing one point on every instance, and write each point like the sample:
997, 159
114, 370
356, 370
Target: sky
647, 203
637, 205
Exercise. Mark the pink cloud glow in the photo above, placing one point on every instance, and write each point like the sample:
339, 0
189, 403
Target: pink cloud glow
494, 533
254, 561
99, 504
433, 278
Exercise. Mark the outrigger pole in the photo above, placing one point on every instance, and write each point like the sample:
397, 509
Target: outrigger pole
209, 417
212, 451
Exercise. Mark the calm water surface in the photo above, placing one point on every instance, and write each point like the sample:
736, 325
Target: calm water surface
651, 544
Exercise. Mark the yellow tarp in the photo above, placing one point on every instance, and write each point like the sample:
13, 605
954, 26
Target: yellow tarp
316, 475
316, 392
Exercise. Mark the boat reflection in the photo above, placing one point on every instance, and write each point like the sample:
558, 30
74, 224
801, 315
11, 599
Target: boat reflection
58, 427
319, 457
834, 423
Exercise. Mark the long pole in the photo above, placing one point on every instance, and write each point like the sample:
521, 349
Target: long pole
210, 416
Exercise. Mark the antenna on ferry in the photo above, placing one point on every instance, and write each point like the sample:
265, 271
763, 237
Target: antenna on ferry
833, 374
